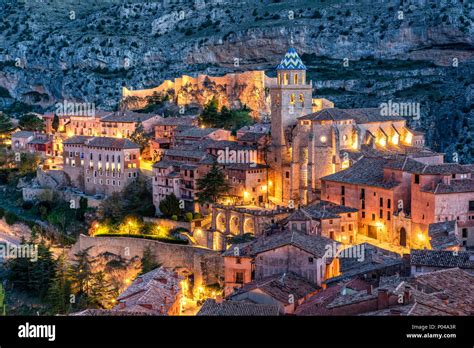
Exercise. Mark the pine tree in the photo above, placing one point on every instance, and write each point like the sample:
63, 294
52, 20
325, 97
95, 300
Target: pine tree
59, 293
212, 185
55, 123
102, 293
170, 205
140, 137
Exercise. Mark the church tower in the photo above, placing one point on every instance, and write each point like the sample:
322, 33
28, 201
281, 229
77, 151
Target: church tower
291, 98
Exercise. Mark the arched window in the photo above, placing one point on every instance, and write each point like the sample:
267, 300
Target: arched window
301, 99
285, 79
292, 99
296, 79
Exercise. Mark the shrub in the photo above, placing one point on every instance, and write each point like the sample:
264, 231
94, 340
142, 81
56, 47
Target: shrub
189, 217
174, 217
197, 216
11, 218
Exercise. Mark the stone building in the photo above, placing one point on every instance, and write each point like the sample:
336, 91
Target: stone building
101, 165
279, 253
122, 124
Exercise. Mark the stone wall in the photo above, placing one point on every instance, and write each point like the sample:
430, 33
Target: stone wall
206, 265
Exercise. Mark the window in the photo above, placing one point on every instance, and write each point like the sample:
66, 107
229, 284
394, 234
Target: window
238, 260
330, 222
464, 232
381, 202
363, 204
287, 175
294, 227
350, 227
292, 99
303, 227
373, 217
388, 215
381, 213
389, 203
343, 190
375, 194
343, 229
418, 268
239, 277
310, 260
363, 215
343, 201
471, 205
362, 193
417, 179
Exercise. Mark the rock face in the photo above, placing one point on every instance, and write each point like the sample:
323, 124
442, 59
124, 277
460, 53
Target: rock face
231, 90
53, 50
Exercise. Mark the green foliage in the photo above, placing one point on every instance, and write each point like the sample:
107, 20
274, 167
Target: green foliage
148, 261
140, 137
197, 216
28, 163
212, 185
11, 218
6, 126
135, 199
55, 123
174, 218
246, 237
60, 289
189, 217
170, 205
30, 122
33, 276
227, 119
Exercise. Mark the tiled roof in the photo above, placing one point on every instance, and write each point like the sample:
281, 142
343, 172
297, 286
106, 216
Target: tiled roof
442, 235
442, 258
315, 245
23, 134
108, 313
251, 137
363, 115
40, 140
195, 132
117, 143
317, 304
176, 121
79, 139
127, 117
455, 186
237, 308
291, 61
185, 153
281, 286
405, 164
366, 171
153, 292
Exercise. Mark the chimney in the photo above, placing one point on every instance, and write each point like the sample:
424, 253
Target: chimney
382, 299
406, 295
445, 298
122, 304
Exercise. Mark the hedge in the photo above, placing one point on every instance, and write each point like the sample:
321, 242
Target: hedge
143, 236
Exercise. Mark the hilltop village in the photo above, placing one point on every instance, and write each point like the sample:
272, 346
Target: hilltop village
307, 209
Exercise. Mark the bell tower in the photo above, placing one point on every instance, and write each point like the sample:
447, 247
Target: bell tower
291, 98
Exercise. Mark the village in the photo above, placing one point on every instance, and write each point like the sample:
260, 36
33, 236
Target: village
278, 203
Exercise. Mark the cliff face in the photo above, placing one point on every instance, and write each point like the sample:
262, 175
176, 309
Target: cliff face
232, 90
356, 51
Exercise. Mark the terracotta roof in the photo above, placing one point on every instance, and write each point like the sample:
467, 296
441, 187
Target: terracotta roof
195, 132
455, 186
237, 308
315, 245
153, 292
280, 287
79, 139
363, 115
127, 117
117, 143
442, 235
176, 121
442, 258
366, 171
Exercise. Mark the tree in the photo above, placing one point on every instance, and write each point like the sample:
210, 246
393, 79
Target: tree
6, 126
148, 261
59, 293
55, 123
210, 115
30, 122
212, 185
28, 163
170, 205
140, 137
227, 119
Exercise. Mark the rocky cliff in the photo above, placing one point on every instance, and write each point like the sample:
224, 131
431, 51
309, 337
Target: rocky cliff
359, 53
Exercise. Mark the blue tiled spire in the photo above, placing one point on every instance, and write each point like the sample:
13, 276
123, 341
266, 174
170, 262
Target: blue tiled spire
291, 61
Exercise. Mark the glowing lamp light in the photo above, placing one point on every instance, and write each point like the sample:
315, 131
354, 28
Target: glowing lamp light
323, 139
408, 138
263, 188
270, 183
395, 139
382, 142
421, 237
246, 194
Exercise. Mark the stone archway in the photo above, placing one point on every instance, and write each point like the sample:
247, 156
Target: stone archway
221, 222
249, 226
403, 237
234, 225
